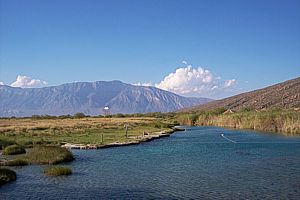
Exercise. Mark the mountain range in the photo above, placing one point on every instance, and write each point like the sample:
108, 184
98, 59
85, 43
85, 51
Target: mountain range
90, 98
285, 95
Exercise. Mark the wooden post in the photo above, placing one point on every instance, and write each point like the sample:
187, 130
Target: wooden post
126, 130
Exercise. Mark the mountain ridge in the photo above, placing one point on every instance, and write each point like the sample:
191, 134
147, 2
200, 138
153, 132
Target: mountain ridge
90, 98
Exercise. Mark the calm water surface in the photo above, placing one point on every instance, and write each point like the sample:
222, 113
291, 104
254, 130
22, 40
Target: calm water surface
196, 164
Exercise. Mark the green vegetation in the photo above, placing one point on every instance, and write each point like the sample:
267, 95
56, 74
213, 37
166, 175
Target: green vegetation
7, 175
30, 132
100, 130
5, 142
48, 155
15, 162
275, 120
57, 171
13, 150
79, 115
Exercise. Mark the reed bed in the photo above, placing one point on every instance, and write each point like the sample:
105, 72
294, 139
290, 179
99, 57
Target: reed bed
281, 121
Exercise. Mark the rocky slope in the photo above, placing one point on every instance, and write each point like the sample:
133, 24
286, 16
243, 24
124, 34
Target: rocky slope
283, 95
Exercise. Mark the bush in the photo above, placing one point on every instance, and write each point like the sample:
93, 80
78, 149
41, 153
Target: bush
118, 115
48, 155
64, 117
57, 171
7, 175
13, 150
79, 115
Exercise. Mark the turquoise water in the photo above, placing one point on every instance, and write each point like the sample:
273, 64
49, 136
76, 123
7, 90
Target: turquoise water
197, 163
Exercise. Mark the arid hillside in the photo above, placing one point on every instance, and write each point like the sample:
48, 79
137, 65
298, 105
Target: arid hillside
284, 95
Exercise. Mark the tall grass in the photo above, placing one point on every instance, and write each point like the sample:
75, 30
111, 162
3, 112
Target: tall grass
283, 121
13, 150
6, 142
48, 155
57, 171
15, 162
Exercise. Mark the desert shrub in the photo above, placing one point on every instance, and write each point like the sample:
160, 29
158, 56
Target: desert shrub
64, 117
79, 115
118, 115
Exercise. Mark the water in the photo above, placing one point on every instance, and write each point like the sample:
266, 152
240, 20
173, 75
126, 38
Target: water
198, 163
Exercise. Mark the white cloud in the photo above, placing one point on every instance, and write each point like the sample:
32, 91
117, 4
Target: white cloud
184, 62
143, 84
229, 83
27, 82
1, 83
191, 81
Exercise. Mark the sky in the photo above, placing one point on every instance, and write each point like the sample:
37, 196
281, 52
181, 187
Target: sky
212, 48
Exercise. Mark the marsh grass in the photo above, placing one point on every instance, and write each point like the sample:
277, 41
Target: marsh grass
283, 121
13, 150
6, 142
15, 162
57, 171
7, 175
48, 155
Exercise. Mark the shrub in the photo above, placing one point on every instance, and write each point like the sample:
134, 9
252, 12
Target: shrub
36, 117
57, 171
49, 155
7, 175
118, 115
13, 150
79, 115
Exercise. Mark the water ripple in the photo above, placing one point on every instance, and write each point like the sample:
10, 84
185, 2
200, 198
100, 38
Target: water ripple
196, 164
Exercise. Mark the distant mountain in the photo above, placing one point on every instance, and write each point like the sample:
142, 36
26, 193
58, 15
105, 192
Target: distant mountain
283, 95
90, 98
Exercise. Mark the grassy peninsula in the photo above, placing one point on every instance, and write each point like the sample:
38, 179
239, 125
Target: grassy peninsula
84, 130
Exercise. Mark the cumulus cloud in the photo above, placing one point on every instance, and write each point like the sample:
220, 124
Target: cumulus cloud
1, 83
27, 82
143, 84
191, 81
229, 83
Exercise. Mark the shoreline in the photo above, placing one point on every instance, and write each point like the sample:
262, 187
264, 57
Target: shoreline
138, 140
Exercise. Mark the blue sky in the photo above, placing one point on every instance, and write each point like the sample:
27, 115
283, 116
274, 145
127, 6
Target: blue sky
255, 43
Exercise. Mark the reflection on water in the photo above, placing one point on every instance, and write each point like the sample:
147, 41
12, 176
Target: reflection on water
198, 163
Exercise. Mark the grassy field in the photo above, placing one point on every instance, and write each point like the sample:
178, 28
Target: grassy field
89, 130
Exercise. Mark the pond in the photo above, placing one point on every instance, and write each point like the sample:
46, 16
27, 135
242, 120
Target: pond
202, 162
